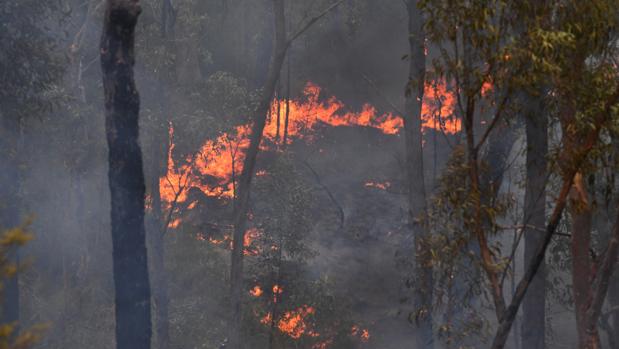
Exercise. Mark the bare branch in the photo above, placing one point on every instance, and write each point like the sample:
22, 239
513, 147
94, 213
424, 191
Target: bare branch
312, 21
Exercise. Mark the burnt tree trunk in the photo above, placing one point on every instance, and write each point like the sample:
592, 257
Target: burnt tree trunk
249, 164
415, 176
125, 175
534, 303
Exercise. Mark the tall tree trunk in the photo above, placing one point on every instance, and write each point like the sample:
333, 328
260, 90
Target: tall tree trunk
10, 134
581, 213
249, 164
159, 161
415, 175
126, 176
534, 304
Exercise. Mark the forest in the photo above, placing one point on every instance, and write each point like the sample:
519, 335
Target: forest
309, 174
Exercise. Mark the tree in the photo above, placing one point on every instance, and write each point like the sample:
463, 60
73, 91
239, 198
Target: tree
487, 46
126, 177
534, 305
415, 175
241, 204
24, 93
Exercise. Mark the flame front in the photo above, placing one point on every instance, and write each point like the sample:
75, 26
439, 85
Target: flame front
213, 169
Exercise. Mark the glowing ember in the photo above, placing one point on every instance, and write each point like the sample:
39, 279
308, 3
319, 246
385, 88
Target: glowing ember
382, 186
266, 320
174, 223
256, 291
277, 290
250, 235
323, 345
363, 334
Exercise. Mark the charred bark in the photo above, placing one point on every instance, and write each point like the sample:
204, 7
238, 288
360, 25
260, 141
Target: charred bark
416, 178
125, 175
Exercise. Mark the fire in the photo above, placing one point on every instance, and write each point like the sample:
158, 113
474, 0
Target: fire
309, 111
382, 186
250, 236
437, 110
363, 334
267, 319
214, 168
256, 291
293, 323
174, 223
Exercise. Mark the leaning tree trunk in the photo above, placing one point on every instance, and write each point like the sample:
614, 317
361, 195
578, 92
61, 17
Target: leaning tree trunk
249, 164
534, 304
126, 176
415, 176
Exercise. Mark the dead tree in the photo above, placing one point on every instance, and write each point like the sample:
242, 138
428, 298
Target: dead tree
126, 176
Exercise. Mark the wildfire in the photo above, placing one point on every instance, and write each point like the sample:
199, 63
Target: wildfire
437, 110
293, 322
214, 168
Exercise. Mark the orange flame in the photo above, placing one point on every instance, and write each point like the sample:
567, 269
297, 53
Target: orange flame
293, 323
256, 291
214, 167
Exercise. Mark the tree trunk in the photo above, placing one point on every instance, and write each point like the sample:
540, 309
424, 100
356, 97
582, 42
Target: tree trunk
126, 176
415, 176
157, 241
159, 164
581, 213
576, 148
10, 133
244, 186
534, 303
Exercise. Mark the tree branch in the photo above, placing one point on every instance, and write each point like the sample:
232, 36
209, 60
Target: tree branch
312, 21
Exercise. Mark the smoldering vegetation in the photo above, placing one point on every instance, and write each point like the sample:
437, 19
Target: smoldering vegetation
330, 256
